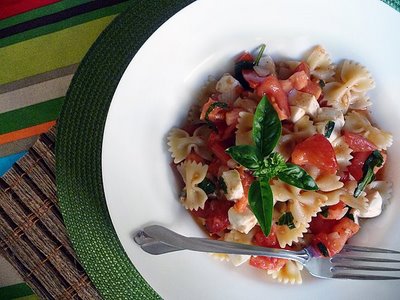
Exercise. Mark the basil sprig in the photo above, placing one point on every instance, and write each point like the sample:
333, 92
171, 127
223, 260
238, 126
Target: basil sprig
375, 159
266, 164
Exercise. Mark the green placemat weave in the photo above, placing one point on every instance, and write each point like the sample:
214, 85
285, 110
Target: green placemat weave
79, 143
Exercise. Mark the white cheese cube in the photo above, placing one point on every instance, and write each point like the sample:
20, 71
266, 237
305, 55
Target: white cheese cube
237, 259
375, 205
242, 222
330, 114
234, 187
305, 101
296, 113
226, 84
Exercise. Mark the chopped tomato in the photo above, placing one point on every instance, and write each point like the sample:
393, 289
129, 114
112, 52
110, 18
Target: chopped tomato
252, 78
303, 66
334, 241
245, 56
269, 241
267, 263
312, 88
216, 214
317, 151
213, 167
357, 142
335, 212
319, 224
193, 156
246, 179
219, 152
277, 96
357, 163
217, 114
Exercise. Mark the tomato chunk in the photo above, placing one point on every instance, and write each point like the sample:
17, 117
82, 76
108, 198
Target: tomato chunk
267, 263
335, 212
217, 114
277, 96
269, 241
357, 163
318, 151
357, 142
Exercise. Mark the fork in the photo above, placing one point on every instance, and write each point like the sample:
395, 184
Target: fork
353, 262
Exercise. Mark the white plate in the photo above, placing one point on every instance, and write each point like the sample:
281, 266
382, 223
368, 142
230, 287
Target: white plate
156, 91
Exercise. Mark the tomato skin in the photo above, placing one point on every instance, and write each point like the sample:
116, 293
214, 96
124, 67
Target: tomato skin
318, 151
335, 212
245, 56
217, 114
269, 241
267, 263
312, 88
335, 240
303, 66
216, 214
319, 224
357, 163
277, 96
357, 142
219, 152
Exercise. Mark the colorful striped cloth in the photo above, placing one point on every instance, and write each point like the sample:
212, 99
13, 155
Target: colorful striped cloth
41, 45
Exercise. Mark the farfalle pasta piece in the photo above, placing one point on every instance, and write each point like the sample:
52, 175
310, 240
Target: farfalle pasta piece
354, 78
320, 64
359, 101
287, 236
181, 143
244, 129
289, 273
342, 152
360, 203
358, 123
192, 174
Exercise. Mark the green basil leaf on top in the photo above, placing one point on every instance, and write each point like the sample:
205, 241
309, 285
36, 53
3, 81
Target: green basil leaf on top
262, 203
266, 127
298, 177
246, 155
375, 159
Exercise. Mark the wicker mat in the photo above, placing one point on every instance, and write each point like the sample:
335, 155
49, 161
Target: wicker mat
33, 237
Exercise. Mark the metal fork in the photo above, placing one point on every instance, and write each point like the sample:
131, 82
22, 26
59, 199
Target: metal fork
353, 262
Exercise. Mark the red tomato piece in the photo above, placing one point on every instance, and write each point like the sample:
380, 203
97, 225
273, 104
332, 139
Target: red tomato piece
219, 152
269, 241
217, 114
245, 56
267, 263
318, 224
232, 116
318, 151
346, 227
357, 163
335, 212
303, 66
277, 96
312, 88
357, 142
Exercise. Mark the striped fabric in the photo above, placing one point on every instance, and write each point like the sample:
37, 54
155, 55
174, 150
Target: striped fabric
41, 45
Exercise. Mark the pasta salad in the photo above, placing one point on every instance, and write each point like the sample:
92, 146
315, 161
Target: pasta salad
283, 154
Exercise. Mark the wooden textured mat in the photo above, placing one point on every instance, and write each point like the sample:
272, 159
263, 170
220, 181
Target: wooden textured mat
32, 233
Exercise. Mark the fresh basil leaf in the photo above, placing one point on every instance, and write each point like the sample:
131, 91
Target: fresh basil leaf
323, 249
246, 155
243, 65
260, 53
375, 159
262, 203
324, 211
267, 127
214, 105
271, 165
207, 186
287, 219
298, 177
329, 128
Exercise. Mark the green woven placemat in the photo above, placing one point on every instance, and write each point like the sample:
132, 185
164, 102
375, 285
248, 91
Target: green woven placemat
79, 143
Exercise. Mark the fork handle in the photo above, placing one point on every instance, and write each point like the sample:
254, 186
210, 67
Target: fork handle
171, 241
